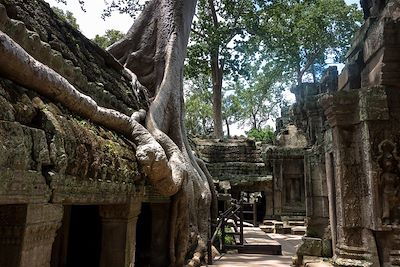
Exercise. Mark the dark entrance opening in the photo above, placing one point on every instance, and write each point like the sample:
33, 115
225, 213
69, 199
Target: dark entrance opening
78, 241
84, 244
143, 237
152, 235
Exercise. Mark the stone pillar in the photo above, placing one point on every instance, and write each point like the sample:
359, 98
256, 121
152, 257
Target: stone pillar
27, 233
357, 119
119, 234
278, 187
269, 208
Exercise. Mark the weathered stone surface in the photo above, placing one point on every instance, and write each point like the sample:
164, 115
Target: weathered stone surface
361, 149
67, 148
310, 247
27, 233
57, 44
74, 159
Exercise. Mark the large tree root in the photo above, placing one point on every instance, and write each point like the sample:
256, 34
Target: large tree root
164, 170
154, 49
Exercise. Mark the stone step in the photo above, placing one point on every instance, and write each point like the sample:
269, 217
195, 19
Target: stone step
269, 222
310, 261
269, 249
318, 264
267, 228
299, 230
296, 223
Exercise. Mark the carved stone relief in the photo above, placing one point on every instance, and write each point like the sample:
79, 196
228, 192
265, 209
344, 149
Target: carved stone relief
389, 182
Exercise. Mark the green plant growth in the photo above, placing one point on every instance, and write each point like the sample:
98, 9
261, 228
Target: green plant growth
265, 134
302, 34
229, 238
110, 37
212, 50
67, 16
198, 107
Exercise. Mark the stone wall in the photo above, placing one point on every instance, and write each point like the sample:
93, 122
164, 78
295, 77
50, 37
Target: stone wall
240, 162
286, 160
359, 138
52, 160
310, 119
276, 171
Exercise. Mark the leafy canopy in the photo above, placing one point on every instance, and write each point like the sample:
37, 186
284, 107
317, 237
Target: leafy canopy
198, 116
66, 16
110, 37
300, 33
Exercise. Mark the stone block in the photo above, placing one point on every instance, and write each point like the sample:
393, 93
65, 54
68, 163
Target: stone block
27, 233
327, 248
310, 247
298, 230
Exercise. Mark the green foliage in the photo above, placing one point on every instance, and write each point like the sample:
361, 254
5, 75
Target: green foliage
198, 119
66, 16
265, 134
255, 102
110, 37
299, 34
215, 28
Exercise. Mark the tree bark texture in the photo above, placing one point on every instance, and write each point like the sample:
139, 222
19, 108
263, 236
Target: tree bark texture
154, 49
216, 71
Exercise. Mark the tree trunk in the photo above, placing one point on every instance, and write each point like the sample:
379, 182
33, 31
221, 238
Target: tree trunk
227, 128
313, 73
217, 76
155, 49
254, 119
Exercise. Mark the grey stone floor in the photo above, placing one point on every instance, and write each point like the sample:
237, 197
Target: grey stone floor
289, 245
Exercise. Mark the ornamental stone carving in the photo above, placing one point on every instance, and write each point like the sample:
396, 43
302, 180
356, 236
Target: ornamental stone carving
389, 182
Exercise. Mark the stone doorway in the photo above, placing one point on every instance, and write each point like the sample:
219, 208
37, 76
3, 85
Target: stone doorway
78, 241
153, 228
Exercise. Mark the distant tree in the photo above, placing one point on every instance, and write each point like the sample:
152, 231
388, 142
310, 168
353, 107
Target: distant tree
212, 50
231, 110
259, 100
300, 34
66, 16
198, 107
110, 37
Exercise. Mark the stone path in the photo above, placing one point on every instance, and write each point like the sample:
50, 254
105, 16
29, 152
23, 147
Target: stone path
289, 245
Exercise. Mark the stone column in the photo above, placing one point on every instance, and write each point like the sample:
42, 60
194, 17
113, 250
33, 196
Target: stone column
278, 187
27, 233
358, 120
269, 208
119, 234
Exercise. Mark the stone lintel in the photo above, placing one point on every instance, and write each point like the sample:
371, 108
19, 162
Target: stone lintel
341, 108
71, 190
347, 108
22, 186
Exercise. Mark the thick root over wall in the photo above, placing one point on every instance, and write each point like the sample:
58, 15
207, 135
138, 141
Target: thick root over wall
154, 49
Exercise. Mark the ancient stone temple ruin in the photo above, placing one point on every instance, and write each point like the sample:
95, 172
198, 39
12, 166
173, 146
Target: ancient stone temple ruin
70, 190
238, 167
352, 171
285, 159
274, 171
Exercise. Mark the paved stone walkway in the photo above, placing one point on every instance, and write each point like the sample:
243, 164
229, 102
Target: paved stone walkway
289, 245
